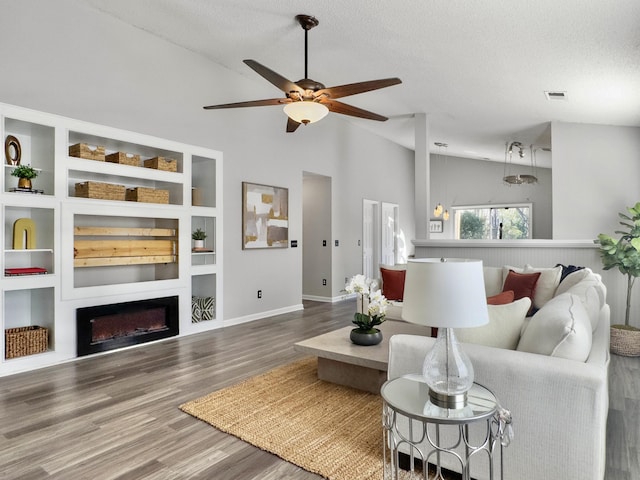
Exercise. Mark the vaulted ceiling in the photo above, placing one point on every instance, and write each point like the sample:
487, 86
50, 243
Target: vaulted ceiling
479, 70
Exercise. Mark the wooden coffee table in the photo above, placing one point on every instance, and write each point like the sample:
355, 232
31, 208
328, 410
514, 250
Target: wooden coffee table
341, 361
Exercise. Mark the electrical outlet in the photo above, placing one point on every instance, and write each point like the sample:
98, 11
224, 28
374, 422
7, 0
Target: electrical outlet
346, 279
324, 282
324, 243
337, 243
259, 293
358, 242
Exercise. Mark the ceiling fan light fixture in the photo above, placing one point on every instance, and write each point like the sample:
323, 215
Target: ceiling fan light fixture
306, 111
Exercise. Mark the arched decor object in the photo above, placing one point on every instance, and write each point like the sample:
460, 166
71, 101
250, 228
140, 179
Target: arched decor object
24, 228
12, 150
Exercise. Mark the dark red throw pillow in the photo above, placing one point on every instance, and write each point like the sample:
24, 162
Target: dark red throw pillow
393, 283
501, 298
522, 284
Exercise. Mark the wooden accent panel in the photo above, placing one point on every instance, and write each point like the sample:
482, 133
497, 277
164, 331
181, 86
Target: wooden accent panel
101, 252
125, 232
105, 262
121, 248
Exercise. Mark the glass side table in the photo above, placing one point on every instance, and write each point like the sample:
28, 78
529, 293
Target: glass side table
412, 425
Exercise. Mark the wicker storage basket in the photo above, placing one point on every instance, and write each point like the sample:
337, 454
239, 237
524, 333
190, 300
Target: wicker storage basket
82, 150
625, 342
104, 191
22, 341
147, 195
162, 163
124, 158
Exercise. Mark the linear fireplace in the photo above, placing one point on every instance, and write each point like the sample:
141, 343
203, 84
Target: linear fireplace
107, 327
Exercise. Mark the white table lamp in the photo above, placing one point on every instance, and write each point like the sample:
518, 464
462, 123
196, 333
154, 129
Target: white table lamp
446, 293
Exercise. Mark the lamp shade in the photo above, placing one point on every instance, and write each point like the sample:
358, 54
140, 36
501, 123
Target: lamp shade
447, 293
306, 111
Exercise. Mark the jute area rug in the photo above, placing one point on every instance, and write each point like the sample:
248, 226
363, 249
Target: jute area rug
324, 428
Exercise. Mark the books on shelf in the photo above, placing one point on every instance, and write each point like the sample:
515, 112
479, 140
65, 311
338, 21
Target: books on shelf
201, 250
14, 272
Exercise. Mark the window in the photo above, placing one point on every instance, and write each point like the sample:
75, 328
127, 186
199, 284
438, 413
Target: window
493, 222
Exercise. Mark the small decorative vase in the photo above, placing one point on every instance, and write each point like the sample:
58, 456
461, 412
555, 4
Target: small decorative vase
24, 183
366, 337
198, 244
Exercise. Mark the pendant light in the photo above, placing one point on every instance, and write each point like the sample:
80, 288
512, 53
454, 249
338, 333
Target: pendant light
520, 178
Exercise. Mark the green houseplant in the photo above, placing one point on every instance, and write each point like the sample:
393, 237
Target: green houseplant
24, 173
198, 236
624, 254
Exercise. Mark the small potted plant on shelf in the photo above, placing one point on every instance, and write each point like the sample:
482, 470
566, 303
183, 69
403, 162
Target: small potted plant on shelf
24, 173
624, 254
371, 310
198, 237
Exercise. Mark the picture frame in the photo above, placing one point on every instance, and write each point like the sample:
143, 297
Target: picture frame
435, 225
265, 216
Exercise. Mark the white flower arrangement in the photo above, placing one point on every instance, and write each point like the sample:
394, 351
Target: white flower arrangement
367, 289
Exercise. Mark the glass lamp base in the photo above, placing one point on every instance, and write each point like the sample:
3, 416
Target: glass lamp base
444, 400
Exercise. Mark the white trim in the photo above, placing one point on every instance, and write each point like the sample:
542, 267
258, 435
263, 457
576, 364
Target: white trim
259, 315
524, 243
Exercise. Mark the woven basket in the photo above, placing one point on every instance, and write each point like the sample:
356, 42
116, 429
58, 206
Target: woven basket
23, 341
625, 342
147, 195
103, 191
88, 152
162, 163
124, 158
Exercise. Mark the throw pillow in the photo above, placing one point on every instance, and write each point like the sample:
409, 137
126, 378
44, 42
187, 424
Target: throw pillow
393, 283
592, 294
567, 270
573, 279
503, 329
546, 285
501, 298
522, 284
559, 329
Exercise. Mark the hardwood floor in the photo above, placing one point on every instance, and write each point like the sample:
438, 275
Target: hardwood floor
116, 416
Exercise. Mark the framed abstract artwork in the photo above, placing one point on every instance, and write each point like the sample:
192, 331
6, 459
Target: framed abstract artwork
265, 216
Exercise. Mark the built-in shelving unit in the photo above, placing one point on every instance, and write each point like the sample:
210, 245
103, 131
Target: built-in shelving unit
67, 247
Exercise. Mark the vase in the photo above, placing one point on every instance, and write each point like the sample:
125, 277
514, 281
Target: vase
24, 183
198, 244
366, 337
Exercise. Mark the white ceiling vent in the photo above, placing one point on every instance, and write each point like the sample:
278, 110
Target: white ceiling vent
555, 95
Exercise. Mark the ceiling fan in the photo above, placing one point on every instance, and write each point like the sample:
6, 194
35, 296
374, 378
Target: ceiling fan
306, 100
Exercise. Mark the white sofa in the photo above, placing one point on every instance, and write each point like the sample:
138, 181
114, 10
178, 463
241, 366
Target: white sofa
558, 397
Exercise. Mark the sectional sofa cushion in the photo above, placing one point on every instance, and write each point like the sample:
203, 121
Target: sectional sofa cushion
592, 293
503, 329
559, 329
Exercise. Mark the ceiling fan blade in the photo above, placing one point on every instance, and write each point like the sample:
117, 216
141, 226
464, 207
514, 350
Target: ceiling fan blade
252, 103
359, 87
292, 125
343, 108
278, 80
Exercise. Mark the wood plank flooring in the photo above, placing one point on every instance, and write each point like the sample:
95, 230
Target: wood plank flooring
116, 416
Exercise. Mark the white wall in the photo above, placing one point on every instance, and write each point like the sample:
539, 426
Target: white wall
64, 58
596, 174
457, 181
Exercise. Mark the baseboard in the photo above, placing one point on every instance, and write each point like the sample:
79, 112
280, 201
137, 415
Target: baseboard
315, 298
259, 315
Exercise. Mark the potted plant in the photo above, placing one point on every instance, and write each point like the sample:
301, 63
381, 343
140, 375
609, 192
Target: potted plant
198, 236
24, 173
624, 254
371, 310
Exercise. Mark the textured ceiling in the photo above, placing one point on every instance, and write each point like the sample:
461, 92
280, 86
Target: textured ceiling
477, 69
